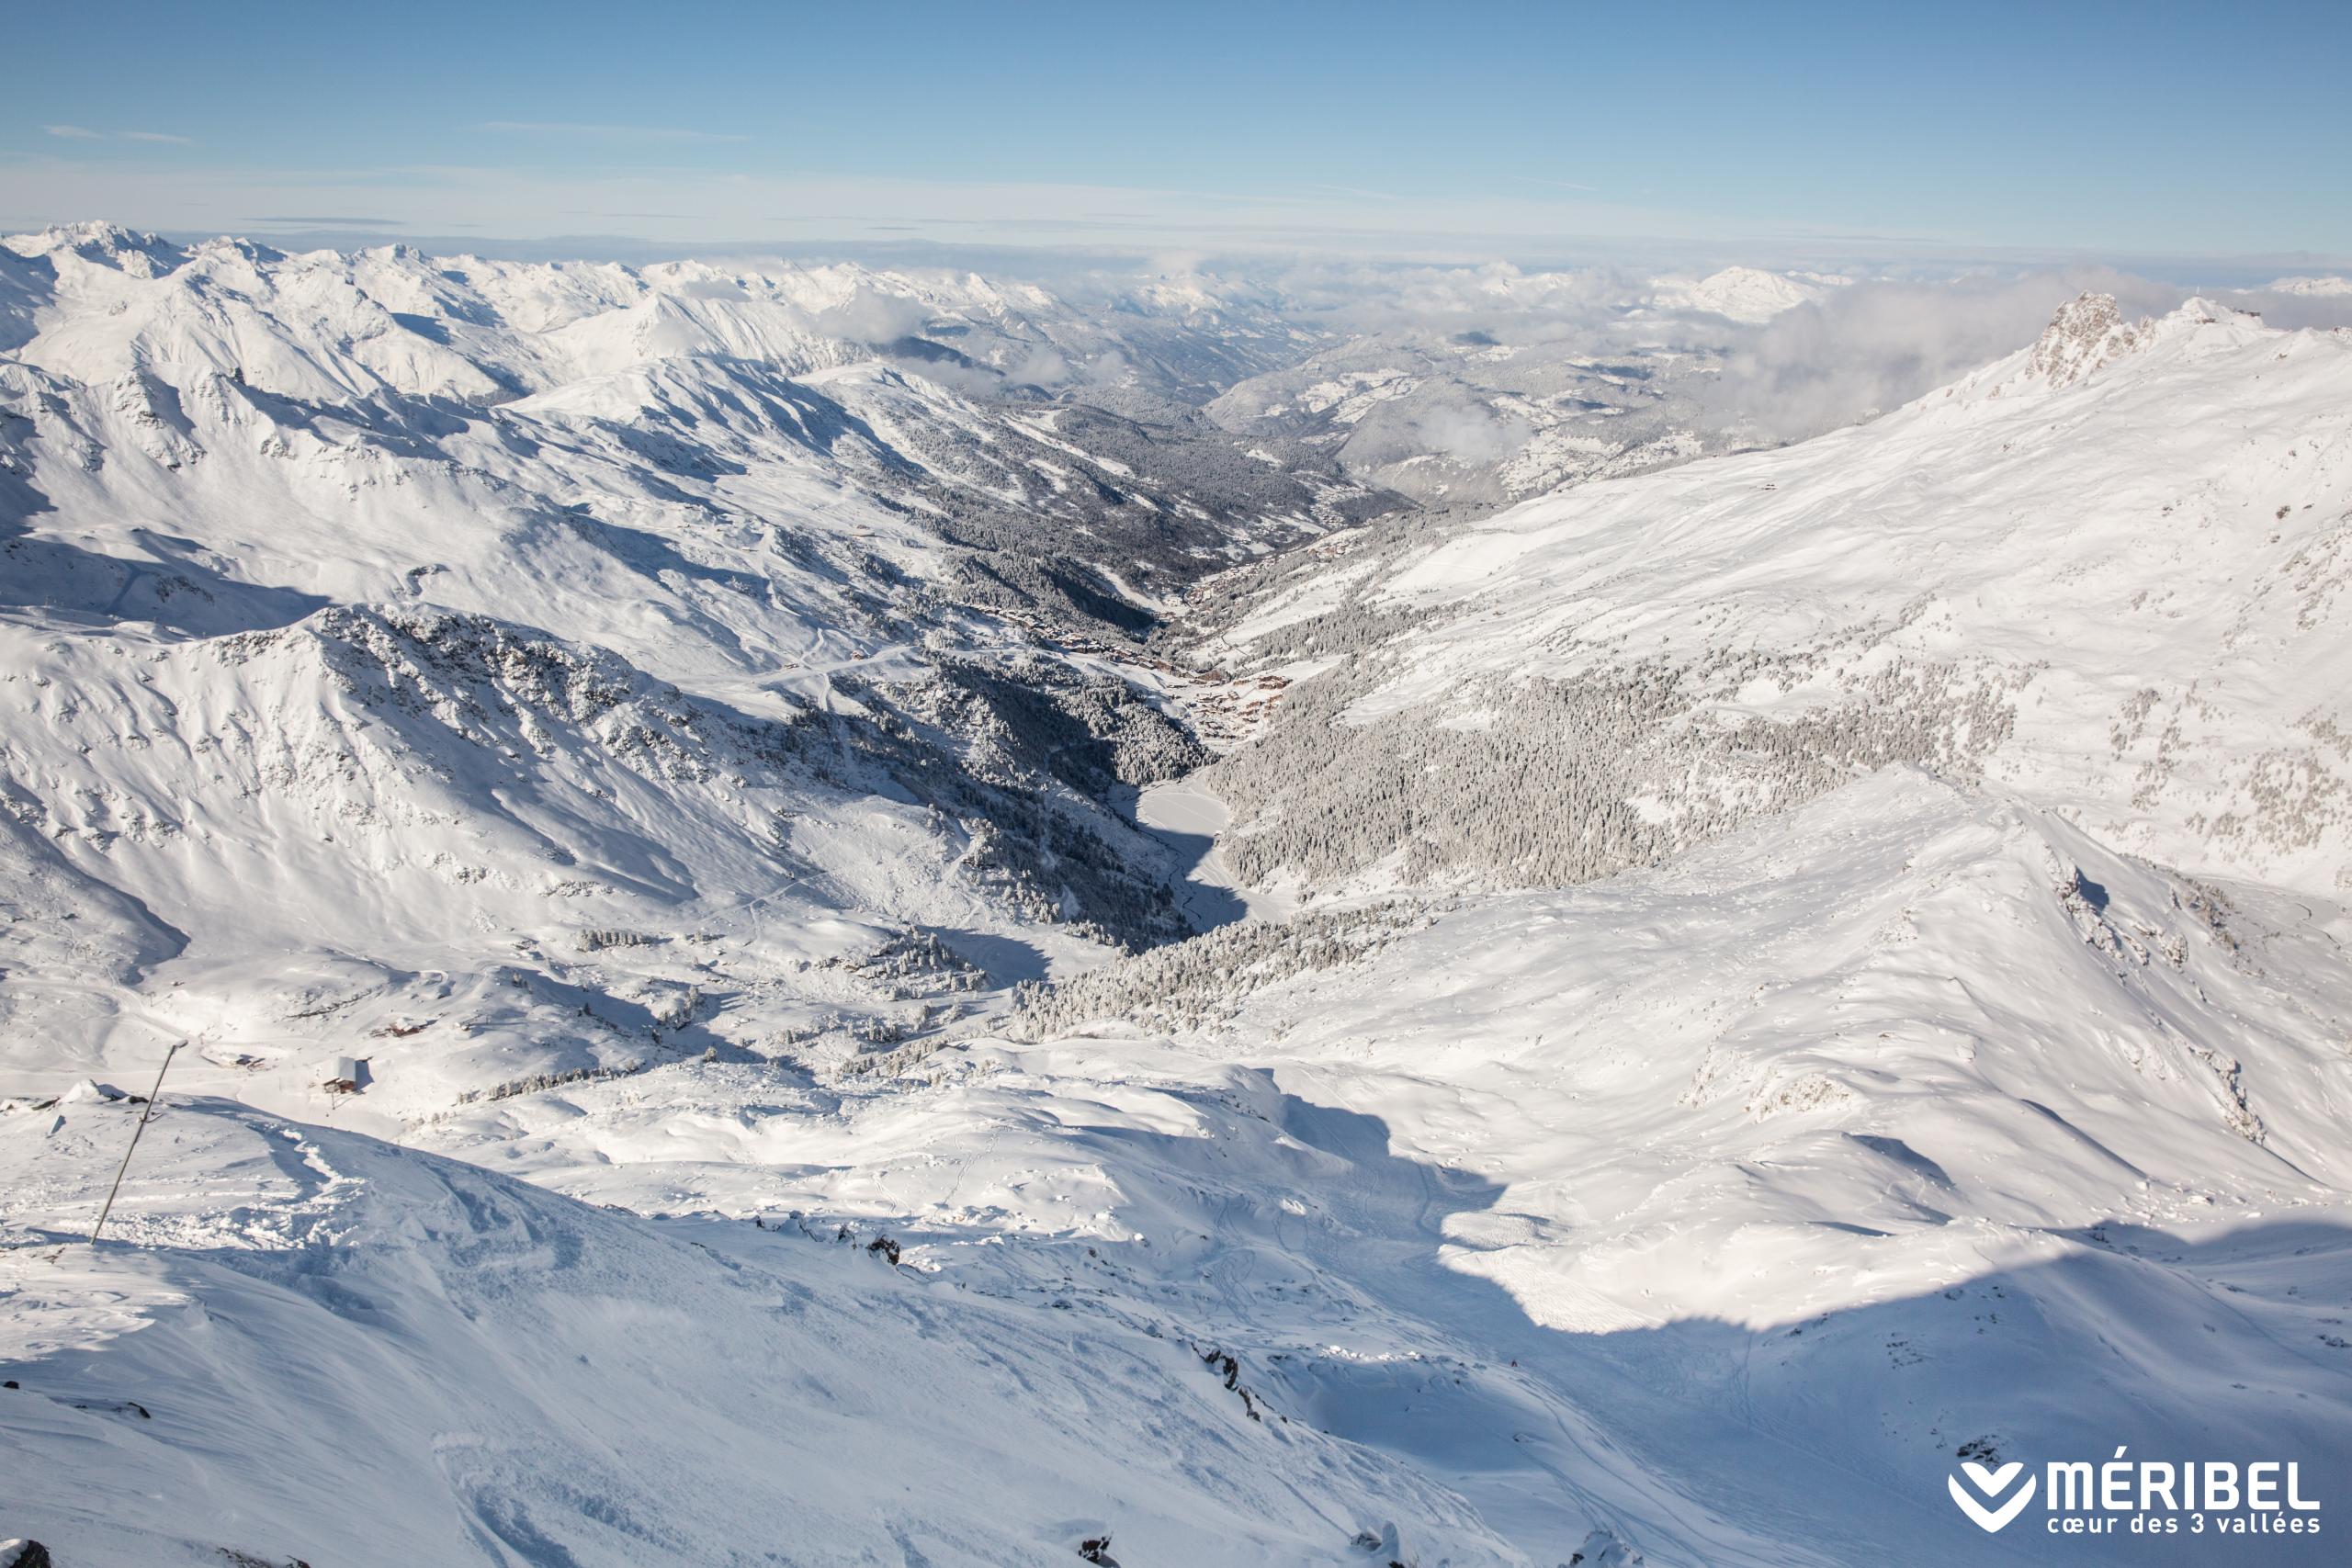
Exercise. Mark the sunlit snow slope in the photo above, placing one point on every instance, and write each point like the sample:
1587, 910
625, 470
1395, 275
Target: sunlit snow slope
2109, 571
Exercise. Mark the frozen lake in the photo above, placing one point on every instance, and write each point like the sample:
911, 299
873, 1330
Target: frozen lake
1189, 819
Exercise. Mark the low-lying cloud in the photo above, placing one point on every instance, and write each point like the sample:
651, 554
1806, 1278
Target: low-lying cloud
1872, 346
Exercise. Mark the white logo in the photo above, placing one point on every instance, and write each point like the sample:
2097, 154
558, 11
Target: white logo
2129, 1497
1992, 1482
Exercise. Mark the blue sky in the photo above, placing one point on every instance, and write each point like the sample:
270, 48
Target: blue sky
2114, 131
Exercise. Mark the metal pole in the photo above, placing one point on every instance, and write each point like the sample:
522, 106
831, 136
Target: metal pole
147, 1111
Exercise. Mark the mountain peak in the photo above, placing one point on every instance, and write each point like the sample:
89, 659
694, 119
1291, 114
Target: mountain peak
1740, 293
126, 250
2086, 333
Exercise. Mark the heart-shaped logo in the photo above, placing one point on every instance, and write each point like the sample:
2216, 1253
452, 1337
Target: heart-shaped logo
1992, 1482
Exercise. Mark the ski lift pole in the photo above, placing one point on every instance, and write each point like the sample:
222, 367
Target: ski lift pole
145, 1113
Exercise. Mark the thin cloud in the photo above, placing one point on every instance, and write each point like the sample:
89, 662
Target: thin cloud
1859, 350
310, 221
678, 217
83, 134
606, 132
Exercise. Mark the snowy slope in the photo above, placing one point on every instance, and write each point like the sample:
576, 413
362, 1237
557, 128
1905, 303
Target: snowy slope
313, 1344
2107, 572
1598, 1210
1844, 1143
1911, 1119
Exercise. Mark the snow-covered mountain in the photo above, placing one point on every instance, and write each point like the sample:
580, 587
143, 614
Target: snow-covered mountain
690, 393
2325, 284
1745, 293
315, 643
2106, 572
1943, 1054
673, 807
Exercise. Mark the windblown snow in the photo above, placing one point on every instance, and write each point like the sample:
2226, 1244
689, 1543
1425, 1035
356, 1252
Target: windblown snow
796, 948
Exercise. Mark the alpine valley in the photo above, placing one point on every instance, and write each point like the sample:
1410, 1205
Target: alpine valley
828, 915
